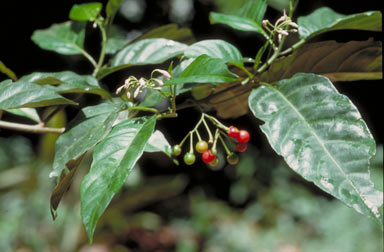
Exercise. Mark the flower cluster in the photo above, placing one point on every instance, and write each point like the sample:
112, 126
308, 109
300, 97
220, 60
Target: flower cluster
133, 86
282, 26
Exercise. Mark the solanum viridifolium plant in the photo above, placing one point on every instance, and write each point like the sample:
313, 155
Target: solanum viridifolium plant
318, 131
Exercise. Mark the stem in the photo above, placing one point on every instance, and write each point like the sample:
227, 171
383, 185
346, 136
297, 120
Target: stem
277, 51
272, 58
198, 135
224, 145
38, 128
89, 57
146, 109
185, 138
217, 134
217, 123
208, 130
103, 46
294, 47
260, 54
270, 41
240, 66
191, 143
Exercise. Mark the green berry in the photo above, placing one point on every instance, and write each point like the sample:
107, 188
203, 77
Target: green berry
214, 163
189, 158
201, 146
232, 158
176, 150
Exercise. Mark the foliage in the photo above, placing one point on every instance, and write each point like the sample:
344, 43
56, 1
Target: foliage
319, 132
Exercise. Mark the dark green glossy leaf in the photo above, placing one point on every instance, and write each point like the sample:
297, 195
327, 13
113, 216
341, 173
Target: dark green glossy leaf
85, 12
68, 82
325, 19
214, 48
5, 70
113, 159
148, 51
30, 113
248, 18
158, 143
205, 69
25, 94
321, 136
64, 38
144, 52
354, 60
89, 127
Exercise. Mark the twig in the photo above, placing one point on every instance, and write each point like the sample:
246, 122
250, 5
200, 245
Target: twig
38, 128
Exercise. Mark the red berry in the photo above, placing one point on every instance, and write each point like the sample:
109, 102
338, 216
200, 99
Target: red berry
233, 132
243, 136
207, 156
241, 147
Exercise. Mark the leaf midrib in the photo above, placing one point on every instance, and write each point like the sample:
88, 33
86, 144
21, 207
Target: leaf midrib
85, 136
105, 192
319, 140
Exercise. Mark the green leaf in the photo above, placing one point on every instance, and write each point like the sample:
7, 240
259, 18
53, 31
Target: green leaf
215, 48
85, 12
5, 83
89, 127
117, 39
144, 52
5, 70
321, 136
148, 51
111, 9
68, 82
25, 94
65, 38
248, 18
158, 143
254, 10
205, 69
30, 113
63, 184
325, 19
354, 60
113, 159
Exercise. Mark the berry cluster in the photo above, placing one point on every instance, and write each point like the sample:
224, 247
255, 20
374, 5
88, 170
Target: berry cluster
242, 137
207, 149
